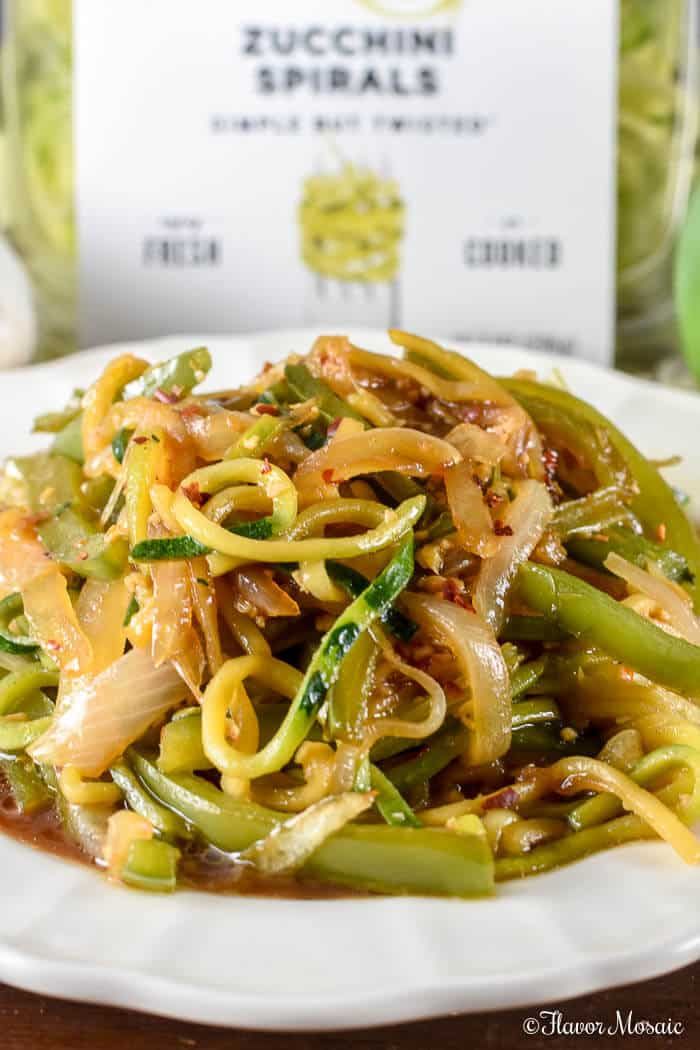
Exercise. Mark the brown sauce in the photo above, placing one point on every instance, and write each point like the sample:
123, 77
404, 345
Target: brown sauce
208, 871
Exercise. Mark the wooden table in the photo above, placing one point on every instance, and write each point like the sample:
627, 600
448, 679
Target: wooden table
29, 1022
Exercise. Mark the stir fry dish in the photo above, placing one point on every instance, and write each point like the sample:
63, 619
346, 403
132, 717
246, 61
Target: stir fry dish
366, 623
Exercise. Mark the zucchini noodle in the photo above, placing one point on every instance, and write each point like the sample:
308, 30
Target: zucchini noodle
218, 643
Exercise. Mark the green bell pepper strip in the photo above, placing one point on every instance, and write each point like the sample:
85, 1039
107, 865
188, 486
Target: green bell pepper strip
654, 503
17, 684
390, 803
324, 668
526, 676
545, 737
447, 744
303, 386
181, 748
354, 583
531, 629
141, 801
10, 608
53, 486
17, 736
69, 441
533, 712
179, 375
634, 548
257, 437
573, 847
71, 539
368, 857
28, 788
151, 864
593, 513
599, 620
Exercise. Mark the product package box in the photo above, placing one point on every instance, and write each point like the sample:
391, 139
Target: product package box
442, 165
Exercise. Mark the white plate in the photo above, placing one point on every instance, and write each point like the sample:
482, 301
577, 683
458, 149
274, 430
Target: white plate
275, 964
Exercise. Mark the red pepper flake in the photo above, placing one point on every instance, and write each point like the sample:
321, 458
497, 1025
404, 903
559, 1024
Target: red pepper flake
626, 674
52, 645
166, 397
327, 476
501, 529
661, 532
494, 499
83, 556
263, 409
140, 440
266, 468
194, 494
333, 427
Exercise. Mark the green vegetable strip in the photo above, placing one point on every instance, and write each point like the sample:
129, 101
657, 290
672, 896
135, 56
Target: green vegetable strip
303, 385
181, 748
138, 799
151, 865
526, 676
69, 441
28, 789
531, 712
178, 375
119, 444
354, 583
390, 803
368, 857
10, 608
17, 736
257, 437
654, 503
531, 629
598, 620
176, 548
18, 684
325, 665
591, 513
447, 744
572, 847
629, 545
71, 539
658, 763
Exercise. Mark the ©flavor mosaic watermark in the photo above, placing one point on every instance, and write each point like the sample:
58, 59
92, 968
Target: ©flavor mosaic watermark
623, 1024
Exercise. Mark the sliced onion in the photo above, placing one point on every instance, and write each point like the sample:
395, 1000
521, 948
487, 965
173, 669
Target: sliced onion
206, 610
54, 623
22, 556
290, 845
476, 652
213, 434
384, 726
525, 519
477, 444
256, 591
171, 610
401, 449
665, 594
469, 512
569, 776
98, 719
100, 609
